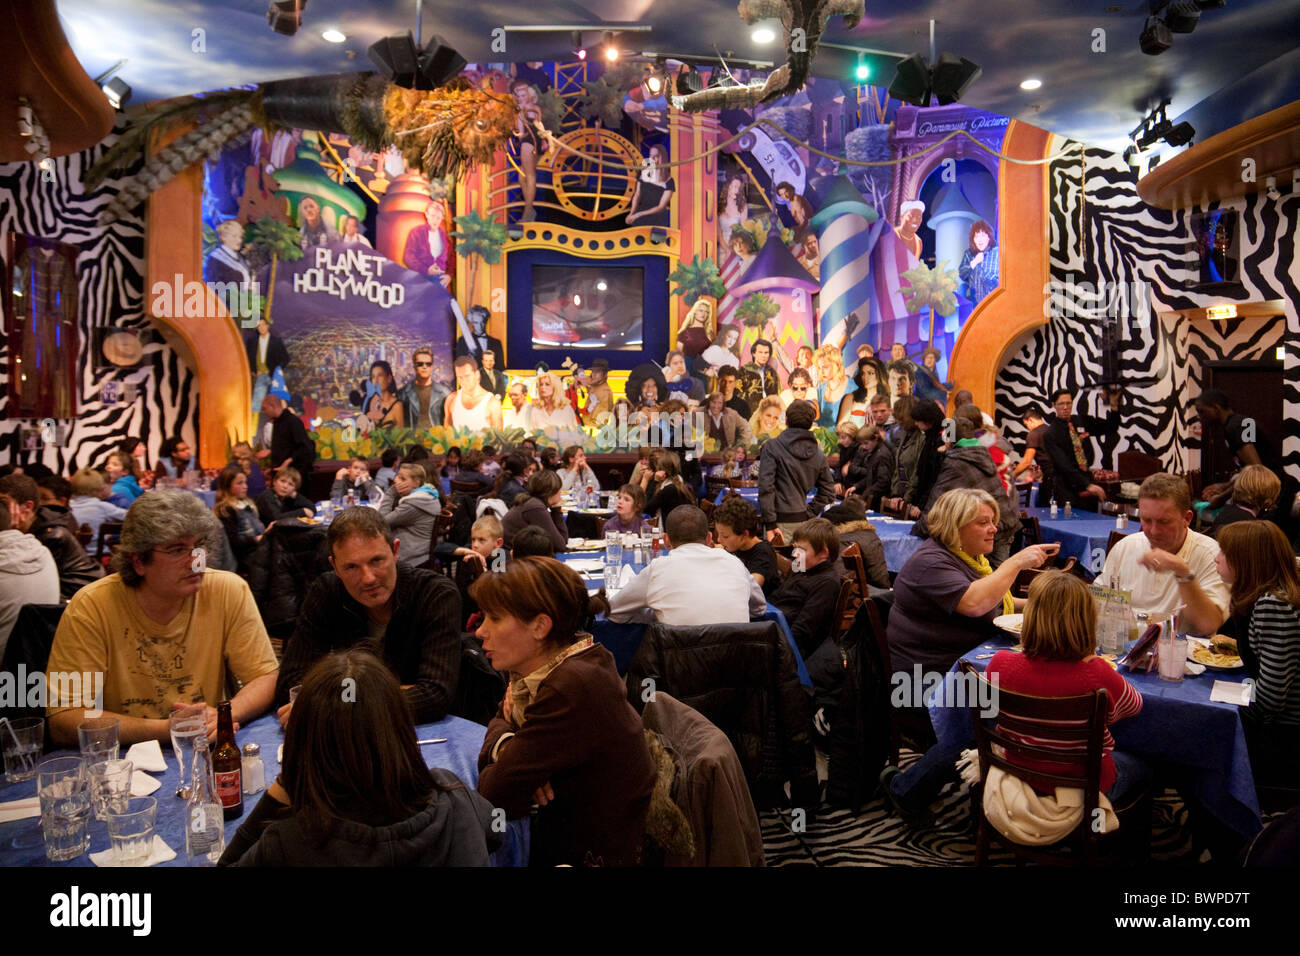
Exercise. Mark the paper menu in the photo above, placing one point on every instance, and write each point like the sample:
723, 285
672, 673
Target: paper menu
1231, 692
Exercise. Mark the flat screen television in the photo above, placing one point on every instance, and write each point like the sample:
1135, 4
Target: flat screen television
1218, 260
598, 306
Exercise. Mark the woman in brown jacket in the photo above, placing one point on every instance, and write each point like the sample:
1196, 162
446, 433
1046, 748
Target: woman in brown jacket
565, 738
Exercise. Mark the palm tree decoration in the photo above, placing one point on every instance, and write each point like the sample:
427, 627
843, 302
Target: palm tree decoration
699, 277
274, 240
478, 237
757, 309
934, 289
601, 102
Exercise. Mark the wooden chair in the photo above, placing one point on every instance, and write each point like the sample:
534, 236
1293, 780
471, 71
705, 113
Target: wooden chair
84, 534
1114, 538
466, 488
851, 558
784, 565
1030, 532
846, 606
1077, 721
1024, 492
1136, 465
716, 486
1195, 482
109, 531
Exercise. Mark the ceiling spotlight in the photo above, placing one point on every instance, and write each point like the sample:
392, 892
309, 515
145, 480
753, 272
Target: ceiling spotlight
611, 49
862, 72
1180, 135
653, 85
118, 92
601, 285
398, 59
46, 164
578, 49
1156, 37
285, 16
1030, 84
689, 81
334, 36
763, 35
1182, 16
952, 76
911, 81
1272, 191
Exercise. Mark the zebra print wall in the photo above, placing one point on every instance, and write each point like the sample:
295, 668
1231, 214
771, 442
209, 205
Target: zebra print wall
111, 287
1103, 235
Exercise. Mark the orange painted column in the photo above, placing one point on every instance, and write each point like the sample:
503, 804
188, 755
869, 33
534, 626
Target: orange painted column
695, 203
212, 343
1016, 305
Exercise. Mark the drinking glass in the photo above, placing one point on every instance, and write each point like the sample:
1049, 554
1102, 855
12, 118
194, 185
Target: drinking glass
131, 830
22, 741
98, 738
186, 724
65, 807
110, 786
612, 572
1172, 655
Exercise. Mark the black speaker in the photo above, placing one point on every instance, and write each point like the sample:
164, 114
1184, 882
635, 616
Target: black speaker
911, 81
1156, 37
952, 76
396, 57
438, 64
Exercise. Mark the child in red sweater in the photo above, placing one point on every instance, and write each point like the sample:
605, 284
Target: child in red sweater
1058, 635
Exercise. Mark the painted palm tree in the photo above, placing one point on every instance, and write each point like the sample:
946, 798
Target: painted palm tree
696, 278
478, 238
757, 309
274, 240
933, 289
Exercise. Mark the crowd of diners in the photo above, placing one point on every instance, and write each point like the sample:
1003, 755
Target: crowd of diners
565, 746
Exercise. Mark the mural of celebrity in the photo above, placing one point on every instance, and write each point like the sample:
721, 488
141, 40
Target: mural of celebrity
979, 264
800, 208
471, 406
734, 203
315, 230
928, 383
352, 233
383, 407
225, 263
600, 397
654, 191
478, 340
527, 142
427, 245
422, 397
910, 215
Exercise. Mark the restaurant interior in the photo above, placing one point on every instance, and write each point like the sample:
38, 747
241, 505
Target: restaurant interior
335, 241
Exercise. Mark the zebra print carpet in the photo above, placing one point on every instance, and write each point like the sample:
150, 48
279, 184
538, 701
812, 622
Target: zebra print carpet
876, 837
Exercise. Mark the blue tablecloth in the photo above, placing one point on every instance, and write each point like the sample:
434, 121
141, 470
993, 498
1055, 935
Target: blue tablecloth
1083, 535
459, 755
622, 640
1178, 725
209, 497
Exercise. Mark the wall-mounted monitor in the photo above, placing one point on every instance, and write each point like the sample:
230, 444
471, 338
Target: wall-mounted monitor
1217, 249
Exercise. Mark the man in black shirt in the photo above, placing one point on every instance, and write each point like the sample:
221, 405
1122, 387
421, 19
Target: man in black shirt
1064, 444
409, 616
728, 380
1249, 446
290, 443
1035, 452
735, 524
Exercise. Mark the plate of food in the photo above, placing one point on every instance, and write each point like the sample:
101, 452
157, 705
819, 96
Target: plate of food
1009, 622
1217, 652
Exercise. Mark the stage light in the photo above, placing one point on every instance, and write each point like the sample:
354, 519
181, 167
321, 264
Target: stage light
404, 65
334, 36
1156, 37
1030, 84
610, 48
1180, 135
861, 72
763, 35
911, 81
601, 285
578, 50
689, 82
1182, 16
118, 92
285, 16
577, 301
952, 76
658, 236
653, 85
515, 233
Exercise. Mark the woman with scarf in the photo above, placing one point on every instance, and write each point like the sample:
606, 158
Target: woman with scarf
565, 740
945, 600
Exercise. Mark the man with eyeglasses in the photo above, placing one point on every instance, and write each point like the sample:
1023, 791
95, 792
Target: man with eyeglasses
422, 396
799, 388
162, 630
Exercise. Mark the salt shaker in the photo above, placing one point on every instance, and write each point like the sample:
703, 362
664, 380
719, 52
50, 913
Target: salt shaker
1069, 510
254, 773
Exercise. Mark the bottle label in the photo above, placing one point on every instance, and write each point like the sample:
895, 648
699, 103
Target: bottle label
229, 788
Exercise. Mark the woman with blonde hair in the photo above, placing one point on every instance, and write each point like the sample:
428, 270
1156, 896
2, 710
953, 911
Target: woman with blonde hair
551, 411
834, 384
1059, 635
945, 599
768, 420
238, 515
1254, 496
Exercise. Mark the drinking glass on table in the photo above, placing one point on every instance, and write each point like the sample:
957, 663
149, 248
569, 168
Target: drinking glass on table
110, 786
187, 724
65, 807
131, 829
98, 738
21, 740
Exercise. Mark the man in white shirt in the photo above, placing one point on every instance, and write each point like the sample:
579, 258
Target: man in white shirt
1167, 564
695, 583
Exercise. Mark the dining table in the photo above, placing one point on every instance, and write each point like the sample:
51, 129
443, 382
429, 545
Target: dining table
1179, 728
461, 740
1083, 535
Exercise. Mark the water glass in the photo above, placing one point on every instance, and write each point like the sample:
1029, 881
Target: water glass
613, 550
65, 807
131, 830
22, 741
1172, 655
98, 738
612, 573
110, 786
186, 725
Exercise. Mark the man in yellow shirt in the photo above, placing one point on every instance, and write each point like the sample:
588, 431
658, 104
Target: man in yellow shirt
162, 630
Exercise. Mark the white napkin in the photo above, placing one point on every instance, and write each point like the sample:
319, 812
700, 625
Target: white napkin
590, 565
159, 853
626, 575
147, 755
20, 809
1231, 692
1193, 669
142, 784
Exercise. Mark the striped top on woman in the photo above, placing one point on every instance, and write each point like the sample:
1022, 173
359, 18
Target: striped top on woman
1274, 641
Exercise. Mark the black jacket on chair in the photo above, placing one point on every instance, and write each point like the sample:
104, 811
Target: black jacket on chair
76, 568
742, 678
290, 557
29, 648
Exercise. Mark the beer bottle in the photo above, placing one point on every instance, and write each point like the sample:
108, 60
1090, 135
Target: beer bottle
226, 765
